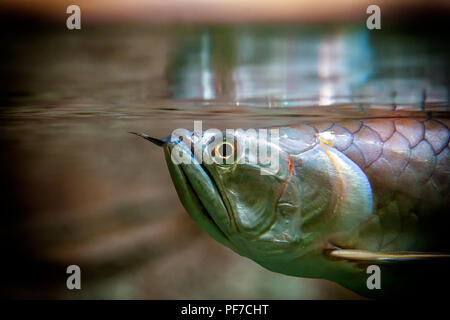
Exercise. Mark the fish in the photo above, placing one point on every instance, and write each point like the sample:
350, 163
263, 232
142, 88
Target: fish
346, 195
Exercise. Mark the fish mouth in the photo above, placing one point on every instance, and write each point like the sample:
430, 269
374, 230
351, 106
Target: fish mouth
199, 195
204, 211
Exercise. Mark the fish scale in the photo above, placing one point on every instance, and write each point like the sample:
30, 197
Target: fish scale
406, 162
392, 143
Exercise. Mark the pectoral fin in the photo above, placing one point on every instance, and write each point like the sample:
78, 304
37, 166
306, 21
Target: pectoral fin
384, 257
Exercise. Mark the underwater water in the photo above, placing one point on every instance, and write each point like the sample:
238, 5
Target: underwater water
79, 189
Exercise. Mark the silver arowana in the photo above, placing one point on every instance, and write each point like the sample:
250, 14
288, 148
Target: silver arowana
347, 195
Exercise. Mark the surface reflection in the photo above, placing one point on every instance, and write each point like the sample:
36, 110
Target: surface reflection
294, 66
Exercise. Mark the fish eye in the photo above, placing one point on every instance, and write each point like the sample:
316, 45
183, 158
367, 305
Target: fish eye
224, 150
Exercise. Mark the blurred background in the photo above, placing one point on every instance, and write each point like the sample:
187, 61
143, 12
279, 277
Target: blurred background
78, 189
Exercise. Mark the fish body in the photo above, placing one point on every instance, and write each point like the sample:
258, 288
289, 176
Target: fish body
406, 162
369, 191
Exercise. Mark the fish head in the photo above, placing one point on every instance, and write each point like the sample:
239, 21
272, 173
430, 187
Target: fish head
234, 178
258, 197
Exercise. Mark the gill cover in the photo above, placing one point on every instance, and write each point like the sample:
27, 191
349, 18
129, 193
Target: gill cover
334, 200
326, 199
317, 196
335, 186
